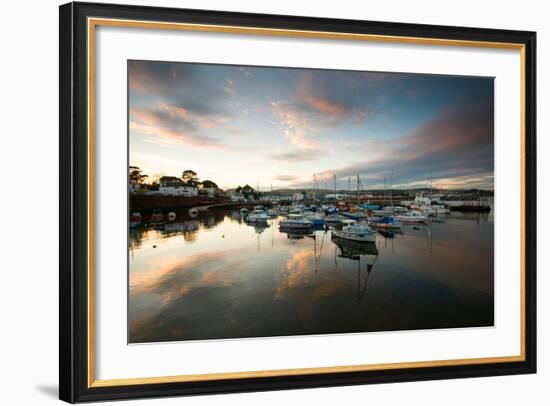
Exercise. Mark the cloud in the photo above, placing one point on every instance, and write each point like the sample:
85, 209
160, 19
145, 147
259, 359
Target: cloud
315, 107
455, 148
296, 127
307, 154
317, 94
152, 77
174, 124
286, 178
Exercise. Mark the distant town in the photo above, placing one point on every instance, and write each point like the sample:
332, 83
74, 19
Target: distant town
188, 190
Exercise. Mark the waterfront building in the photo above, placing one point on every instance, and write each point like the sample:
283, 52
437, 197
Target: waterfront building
172, 186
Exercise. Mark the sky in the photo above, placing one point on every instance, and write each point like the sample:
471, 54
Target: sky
278, 127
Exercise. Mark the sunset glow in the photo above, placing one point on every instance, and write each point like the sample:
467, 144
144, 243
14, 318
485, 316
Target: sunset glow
279, 126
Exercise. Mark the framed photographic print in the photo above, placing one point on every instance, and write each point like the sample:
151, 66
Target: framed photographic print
255, 202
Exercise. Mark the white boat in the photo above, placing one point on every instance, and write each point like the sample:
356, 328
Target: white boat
193, 212
440, 209
335, 219
383, 212
397, 209
428, 206
244, 211
356, 232
295, 221
296, 209
413, 216
271, 213
257, 216
282, 209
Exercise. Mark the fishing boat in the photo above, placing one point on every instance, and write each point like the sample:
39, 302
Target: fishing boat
257, 216
413, 216
295, 221
135, 220
244, 211
388, 222
193, 212
356, 232
271, 213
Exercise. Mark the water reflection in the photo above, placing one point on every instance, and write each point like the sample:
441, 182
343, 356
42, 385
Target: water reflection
215, 276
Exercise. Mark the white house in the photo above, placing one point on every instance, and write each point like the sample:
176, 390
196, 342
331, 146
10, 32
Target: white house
236, 196
172, 186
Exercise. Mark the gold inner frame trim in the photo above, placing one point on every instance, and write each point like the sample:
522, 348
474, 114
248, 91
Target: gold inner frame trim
94, 22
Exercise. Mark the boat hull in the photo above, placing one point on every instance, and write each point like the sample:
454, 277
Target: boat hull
295, 225
369, 237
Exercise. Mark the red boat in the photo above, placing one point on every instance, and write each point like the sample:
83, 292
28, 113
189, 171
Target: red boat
157, 217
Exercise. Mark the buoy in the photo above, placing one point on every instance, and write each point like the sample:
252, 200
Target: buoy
171, 216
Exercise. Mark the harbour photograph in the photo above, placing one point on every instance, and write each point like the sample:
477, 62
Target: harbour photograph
282, 201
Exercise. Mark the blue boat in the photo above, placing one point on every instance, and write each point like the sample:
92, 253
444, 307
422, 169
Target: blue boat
358, 215
388, 222
331, 210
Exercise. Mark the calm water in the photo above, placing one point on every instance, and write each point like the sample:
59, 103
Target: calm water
216, 277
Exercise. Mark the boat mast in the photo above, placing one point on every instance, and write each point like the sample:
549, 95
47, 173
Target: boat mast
390, 189
358, 189
349, 191
313, 188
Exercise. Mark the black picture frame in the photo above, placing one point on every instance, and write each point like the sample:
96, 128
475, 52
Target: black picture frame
74, 200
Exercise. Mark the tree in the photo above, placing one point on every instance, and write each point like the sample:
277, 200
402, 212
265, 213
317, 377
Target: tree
209, 184
135, 175
190, 176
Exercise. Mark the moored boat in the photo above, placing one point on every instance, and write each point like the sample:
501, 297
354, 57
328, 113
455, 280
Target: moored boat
157, 217
257, 216
295, 221
135, 220
244, 211
383, 212
356, 232
335, 219
413, 216
388, 222
358, 215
